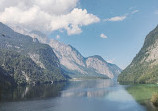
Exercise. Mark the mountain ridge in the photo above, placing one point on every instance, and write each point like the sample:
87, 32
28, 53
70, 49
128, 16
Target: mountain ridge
72, 60
25, 60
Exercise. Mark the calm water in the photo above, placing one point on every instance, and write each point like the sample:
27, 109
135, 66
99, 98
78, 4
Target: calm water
85, 95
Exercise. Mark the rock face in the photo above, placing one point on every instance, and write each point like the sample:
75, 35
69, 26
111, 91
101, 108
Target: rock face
25, 60
100, 66
73, 63
144, 67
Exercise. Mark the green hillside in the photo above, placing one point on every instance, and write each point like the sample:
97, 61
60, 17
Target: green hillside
144, 67
26, 61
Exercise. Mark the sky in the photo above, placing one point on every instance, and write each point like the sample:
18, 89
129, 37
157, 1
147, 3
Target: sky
113, 29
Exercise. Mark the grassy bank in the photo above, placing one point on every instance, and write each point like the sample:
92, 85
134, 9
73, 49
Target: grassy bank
143, 94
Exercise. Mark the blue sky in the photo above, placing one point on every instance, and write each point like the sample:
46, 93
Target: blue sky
124, 37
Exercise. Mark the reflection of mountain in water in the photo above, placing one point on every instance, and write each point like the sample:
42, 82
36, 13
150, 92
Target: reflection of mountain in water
32, 92
88, 89
84, 95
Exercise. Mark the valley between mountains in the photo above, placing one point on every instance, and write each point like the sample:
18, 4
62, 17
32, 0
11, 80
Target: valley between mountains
32, 58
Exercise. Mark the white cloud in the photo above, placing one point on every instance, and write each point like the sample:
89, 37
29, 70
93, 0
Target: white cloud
135, 11
58, 37
120, 18
56, 6
117, 18
103, 36
46, 15
73, 21
49, 6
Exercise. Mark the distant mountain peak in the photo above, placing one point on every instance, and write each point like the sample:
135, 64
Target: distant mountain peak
98, 57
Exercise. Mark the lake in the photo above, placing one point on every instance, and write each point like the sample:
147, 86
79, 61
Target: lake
81, 95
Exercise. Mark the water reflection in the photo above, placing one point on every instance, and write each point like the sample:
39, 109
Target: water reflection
94, 95
85, 95
89, 88
32, 92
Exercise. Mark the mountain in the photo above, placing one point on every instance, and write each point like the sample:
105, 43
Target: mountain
100, 66
73, 63
6, 81
144, 67
25, 61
